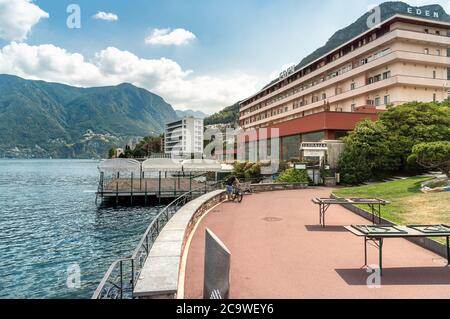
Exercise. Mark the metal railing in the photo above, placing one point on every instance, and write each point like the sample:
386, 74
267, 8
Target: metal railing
121, 277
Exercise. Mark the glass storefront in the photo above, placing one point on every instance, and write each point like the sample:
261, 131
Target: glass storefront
313, 137
291, 147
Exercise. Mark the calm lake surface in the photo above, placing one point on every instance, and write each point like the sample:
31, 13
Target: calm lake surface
49, 222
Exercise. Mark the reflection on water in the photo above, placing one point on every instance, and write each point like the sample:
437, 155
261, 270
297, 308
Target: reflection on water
49, 221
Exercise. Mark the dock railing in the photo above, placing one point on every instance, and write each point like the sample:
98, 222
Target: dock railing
121, 277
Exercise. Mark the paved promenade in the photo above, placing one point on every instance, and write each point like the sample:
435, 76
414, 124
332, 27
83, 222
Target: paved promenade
279, 251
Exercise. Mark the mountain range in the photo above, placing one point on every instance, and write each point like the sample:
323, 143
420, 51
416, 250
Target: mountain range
40, 119
191, 113
228, 115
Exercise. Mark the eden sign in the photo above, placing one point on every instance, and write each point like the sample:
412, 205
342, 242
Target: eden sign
424, 13
287, 72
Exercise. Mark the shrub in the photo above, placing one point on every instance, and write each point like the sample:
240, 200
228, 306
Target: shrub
247, 171
293, 175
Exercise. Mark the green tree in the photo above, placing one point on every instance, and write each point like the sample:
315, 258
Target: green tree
112, 152
380, 148
434, 155
413, 123
367, 153
247, 171
293, 175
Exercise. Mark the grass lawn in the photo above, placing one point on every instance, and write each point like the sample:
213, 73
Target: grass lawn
408, 205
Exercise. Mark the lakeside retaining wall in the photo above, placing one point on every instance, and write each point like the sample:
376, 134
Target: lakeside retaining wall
162, 273
159, 278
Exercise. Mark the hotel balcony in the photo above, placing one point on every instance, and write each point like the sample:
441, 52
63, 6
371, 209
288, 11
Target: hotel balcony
398, 34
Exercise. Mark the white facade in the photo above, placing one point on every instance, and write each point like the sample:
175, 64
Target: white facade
184, 136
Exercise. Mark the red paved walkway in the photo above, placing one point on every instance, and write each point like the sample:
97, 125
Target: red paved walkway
278, 251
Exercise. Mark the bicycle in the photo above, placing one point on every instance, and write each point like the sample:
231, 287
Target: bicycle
237, 194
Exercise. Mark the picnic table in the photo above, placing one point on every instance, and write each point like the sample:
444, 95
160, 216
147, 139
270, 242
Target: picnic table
325, 203
377, 234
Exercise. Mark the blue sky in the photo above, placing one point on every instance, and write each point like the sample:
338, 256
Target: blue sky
230, 48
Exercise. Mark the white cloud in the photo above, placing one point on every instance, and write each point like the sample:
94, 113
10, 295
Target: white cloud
107, 16
170, 37
111, 66
17, 18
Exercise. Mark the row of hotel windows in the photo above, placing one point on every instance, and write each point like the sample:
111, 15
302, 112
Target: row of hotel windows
314, 99
375, 102
341, 53
437, 32
377, 78
334, 74
364, 40
312, 83
304, 101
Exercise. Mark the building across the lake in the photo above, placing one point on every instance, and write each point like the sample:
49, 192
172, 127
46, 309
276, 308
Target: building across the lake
184, 136
404, 58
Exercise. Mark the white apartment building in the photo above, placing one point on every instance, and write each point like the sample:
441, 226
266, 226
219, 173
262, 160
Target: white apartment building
184, 136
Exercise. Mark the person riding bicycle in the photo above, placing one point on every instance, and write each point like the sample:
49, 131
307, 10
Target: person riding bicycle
231, 183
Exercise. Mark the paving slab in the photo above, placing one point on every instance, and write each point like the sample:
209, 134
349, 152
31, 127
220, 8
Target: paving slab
278, 250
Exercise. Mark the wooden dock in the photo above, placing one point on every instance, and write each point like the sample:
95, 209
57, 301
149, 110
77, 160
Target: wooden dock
146, 190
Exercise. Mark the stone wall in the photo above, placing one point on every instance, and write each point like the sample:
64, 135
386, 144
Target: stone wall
259, 188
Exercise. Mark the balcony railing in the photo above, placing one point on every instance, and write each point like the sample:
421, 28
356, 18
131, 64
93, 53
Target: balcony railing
358, 64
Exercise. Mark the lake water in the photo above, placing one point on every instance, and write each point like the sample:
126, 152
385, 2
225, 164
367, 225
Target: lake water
49, 222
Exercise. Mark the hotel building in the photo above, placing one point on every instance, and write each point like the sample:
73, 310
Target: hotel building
184, 136
405, 58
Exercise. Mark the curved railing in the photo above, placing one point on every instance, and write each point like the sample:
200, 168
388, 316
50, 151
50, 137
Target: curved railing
121, 277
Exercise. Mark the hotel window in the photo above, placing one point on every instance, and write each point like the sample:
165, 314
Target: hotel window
434, 74
438, 52
353, 107
434, 97
427, 51
386, 75
426, 31
352, 86
377, 101
387, 100
438, 32
324, 96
